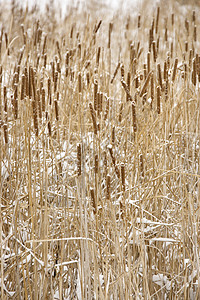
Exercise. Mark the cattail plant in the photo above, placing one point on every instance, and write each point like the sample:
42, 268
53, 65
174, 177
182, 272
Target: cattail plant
115, 72
94, 120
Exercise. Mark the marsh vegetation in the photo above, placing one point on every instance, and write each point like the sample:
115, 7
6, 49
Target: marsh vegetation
99, 152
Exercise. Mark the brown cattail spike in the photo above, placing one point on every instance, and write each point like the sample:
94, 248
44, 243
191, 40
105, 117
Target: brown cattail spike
95, 94
79, 83
175, 69
195, 33
98, 26
23, 86
148, 62
108, 181
158, 100
123, 176
154, 51
92, 194
139, 21
79, 159
157, 18
109, 34
122, 71
172, 19
194, 72
128, 85
152, 89
159, 75
96, 165
193, 16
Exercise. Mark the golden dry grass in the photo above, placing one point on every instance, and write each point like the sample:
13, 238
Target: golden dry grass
99, 153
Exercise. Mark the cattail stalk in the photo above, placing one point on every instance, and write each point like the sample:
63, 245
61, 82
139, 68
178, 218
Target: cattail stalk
114, 161
5, 130
129, 97
141, 165
98, 26
95, 93
15, 101
93, 114
98, 56
107, 108
145, 84
39, 104
115, 72
134, 117
43, 99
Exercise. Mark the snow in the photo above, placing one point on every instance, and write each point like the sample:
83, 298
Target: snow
63, 4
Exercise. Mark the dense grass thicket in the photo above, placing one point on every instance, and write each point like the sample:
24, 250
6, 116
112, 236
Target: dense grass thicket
99, 152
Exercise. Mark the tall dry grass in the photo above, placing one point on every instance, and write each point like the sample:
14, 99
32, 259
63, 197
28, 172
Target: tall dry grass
99, 153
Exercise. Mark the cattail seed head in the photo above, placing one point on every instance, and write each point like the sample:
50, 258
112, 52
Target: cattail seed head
158, 100
93, 200
93, 114
123, 176
95, 94
23, 86
175, 69
79, 159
